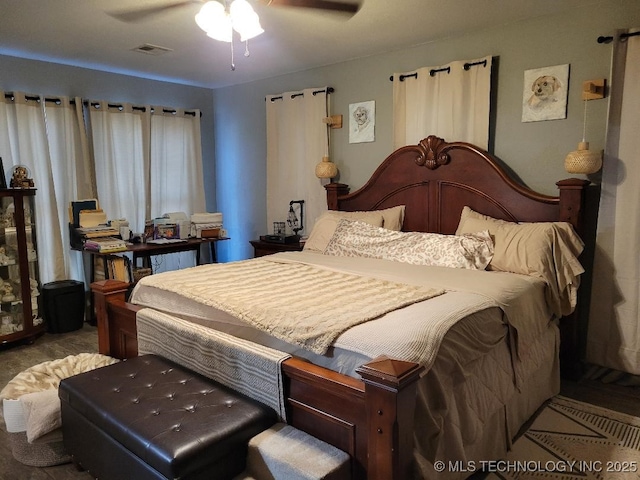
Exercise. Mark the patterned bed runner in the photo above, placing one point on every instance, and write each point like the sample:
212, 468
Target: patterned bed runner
246, 367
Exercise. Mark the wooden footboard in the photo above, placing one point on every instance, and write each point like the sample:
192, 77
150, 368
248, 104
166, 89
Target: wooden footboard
370, 419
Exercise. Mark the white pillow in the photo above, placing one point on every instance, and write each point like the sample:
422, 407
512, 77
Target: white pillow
357, 239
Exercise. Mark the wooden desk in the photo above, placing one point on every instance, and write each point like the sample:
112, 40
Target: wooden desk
147, 250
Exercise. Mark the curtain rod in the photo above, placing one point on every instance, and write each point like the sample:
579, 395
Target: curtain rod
433, 71
138, 109
33, 98
623, 36
294, 95
57, 101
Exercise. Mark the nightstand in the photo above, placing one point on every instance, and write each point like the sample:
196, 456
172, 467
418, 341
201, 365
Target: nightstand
261, 248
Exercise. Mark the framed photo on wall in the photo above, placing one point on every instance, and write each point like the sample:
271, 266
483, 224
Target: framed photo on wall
362, 120
544, 94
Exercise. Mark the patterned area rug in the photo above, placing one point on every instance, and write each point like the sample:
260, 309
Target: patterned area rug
573, 440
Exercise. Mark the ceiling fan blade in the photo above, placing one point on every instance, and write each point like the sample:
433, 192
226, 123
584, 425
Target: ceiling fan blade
137, 15
347, 7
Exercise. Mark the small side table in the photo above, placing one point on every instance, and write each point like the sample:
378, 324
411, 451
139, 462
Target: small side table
261, 247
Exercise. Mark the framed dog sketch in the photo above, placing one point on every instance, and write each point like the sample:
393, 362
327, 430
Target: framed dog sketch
362, 120
545, 93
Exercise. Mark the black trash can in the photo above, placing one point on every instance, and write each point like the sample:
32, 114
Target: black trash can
63, 305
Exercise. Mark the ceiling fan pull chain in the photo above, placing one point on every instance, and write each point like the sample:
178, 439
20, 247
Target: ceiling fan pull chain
233, 64
246, 48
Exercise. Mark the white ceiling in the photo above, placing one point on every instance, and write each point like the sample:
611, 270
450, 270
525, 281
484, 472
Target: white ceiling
82, 33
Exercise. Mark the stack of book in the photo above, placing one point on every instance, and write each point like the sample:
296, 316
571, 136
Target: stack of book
118, 268
87, 221
98, 231
105, 244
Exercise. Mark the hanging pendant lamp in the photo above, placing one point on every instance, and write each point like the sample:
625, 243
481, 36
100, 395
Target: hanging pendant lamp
583, 160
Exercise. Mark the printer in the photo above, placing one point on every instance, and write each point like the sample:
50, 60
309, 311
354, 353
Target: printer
181, 221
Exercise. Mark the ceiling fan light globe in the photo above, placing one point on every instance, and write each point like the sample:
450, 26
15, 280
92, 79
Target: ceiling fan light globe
210, 16
245, 20
241, 9
248, 31
222, 35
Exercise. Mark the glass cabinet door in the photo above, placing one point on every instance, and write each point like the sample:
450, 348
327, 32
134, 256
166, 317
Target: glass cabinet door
19, 275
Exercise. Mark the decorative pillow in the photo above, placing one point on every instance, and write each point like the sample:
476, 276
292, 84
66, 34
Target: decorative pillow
41, 413
548, 250
357, 239
392, 218
326, 225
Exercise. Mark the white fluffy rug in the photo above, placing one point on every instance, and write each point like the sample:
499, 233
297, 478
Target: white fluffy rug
573, 440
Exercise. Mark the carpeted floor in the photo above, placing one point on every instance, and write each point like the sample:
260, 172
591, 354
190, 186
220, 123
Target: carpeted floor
574, 440
588, 442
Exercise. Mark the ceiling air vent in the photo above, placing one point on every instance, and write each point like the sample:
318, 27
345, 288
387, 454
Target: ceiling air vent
149, 49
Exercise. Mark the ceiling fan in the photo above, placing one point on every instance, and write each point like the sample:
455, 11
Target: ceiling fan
140, 14
221, 18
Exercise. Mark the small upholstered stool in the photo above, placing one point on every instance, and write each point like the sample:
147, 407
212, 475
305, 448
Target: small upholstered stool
148, 418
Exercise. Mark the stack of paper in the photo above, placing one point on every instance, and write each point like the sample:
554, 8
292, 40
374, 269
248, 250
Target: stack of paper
205, 221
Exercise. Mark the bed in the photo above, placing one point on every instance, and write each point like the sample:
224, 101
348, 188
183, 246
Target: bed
392, 415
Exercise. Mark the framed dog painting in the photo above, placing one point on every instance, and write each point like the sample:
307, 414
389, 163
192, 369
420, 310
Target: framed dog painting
544, 95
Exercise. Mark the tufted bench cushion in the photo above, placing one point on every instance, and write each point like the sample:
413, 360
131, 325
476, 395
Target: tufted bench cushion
148, 418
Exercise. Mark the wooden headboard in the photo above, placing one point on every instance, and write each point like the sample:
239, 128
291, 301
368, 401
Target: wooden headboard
436, 179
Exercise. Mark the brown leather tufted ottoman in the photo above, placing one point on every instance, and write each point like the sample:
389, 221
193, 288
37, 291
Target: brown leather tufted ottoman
148, 418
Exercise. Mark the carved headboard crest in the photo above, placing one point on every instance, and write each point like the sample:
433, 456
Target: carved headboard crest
430, 155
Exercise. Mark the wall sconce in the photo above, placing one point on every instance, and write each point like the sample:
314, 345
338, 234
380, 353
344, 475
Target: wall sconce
334, 121
583, 160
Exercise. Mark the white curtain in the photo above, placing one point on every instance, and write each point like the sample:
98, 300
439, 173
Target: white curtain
47, 138
297, 139
120, 137
451, 101
71, 170
614, 323
176, 181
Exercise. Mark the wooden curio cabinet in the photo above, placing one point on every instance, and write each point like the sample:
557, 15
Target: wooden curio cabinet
20, 319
